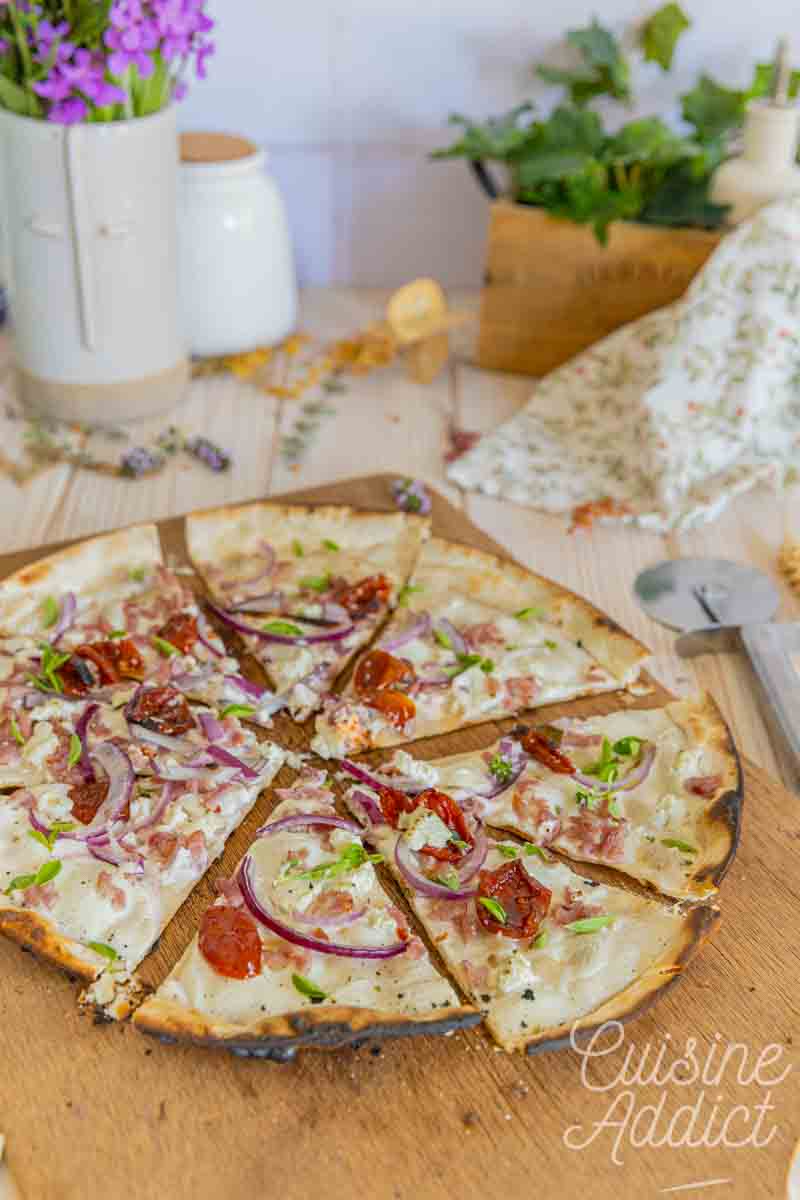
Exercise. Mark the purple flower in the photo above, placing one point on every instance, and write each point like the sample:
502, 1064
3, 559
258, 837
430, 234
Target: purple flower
68, 112
140, 461
132, 38
207, 452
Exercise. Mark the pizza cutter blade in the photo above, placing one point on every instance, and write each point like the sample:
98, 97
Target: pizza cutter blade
720, 606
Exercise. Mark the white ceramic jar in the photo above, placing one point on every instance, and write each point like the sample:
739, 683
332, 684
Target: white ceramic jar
89, 231
236, 269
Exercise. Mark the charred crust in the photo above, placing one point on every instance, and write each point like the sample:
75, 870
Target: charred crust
319, 1030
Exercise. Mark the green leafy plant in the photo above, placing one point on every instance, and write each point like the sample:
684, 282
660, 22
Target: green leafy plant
572, 166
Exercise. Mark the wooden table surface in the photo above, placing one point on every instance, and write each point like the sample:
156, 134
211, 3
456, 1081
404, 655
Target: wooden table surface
384, 422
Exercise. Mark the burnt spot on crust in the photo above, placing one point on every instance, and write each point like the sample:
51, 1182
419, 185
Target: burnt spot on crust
34, 934
601, 621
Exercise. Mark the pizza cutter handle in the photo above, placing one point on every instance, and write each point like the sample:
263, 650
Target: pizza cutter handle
774, 652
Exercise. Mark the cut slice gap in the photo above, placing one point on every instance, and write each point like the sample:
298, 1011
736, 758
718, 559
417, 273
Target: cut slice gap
479, 640
605, 951
300, 997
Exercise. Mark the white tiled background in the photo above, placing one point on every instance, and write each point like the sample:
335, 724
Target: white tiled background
349, 96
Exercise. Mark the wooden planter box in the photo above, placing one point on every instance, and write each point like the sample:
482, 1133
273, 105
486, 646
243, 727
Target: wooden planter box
551, 289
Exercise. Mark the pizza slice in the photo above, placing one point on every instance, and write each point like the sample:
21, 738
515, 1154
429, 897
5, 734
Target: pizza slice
96, 858
304, 587
478, 638
87, 625
655, 794
303, 947
540, 949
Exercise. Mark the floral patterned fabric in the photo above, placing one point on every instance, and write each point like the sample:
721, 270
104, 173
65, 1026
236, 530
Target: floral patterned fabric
678, 412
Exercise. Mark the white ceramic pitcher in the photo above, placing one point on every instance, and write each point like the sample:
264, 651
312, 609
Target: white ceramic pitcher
90, 229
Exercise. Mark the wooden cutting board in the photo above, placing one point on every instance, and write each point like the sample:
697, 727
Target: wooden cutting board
101, 1111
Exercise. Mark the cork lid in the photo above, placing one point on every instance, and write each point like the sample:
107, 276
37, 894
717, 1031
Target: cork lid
210, 148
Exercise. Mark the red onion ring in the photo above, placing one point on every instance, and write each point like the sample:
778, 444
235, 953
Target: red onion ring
272, 923
164, 801
366, 808
457, 643
634, 777
37, 823
82, 731
164, 741
271, 602
212, 728
204, 635
264, 573
230, 760
69, 607
403, 783
406, 865
303, 820
419, 628
335, 635
253, 690
119, 769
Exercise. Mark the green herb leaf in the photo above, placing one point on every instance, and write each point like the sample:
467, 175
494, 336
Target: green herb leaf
449, 879
465, 661
284, 628
495, 908
550, 644
539, 942
613, 808
47, 680
62, 826
442, 639
306, 988
605, 70
660, 34
137, 574
498, 138
20, 883
487, 666
407, 591
237, 710
316, 583
116, 634
713, 110
329, 544
47, 871
506, 850
627, 747
589, 924
530, 849
50, 611
501, 767
677, 844
351, 858
587, 799
106, 951
16, 732
75, 750
297, 549
164, 647
530, 614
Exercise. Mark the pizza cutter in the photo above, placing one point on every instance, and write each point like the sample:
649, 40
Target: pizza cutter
721, 606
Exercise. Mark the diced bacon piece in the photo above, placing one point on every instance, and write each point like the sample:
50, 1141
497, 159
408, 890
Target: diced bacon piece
40, 896
703, 785
477, 976
576, 739
334, 903
572, 909
229, 888
539, 819
522, 690
109, 891
195, 843
163, 846
597, 836
483, 635
278, 955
